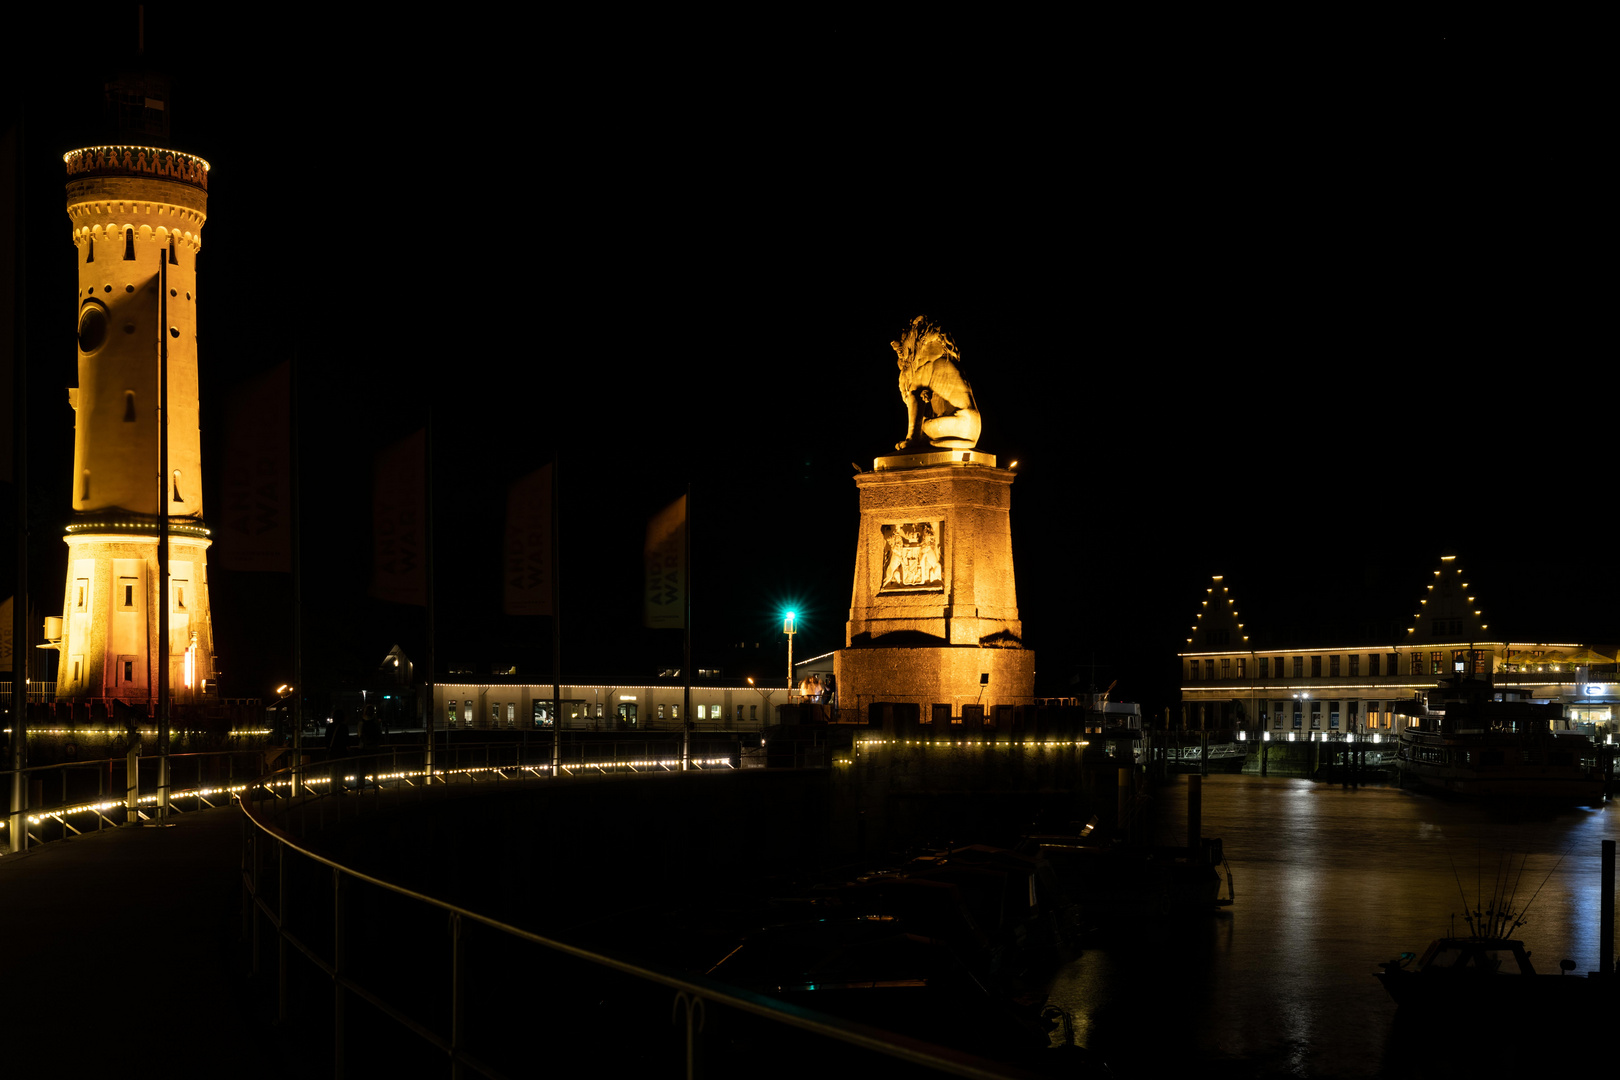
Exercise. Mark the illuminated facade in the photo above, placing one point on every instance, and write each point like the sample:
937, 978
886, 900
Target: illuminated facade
137, 215
1230, 682
491, 704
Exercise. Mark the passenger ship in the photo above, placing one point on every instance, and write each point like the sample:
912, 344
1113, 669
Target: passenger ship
1494, 743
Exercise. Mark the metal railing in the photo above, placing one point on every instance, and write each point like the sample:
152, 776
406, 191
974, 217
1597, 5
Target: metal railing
70, 798
337, 930
99, 793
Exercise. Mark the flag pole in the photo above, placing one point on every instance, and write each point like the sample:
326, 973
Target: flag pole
18, 827
297, 580
427, 546
163, 540
686, 621
556, 620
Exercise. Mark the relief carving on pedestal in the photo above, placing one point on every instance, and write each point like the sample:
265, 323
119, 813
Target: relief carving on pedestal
911, 557
932, 383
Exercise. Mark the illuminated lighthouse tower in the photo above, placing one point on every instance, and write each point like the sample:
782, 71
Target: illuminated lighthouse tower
137, 214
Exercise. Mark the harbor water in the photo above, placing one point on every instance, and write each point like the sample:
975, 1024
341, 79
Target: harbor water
1330, 881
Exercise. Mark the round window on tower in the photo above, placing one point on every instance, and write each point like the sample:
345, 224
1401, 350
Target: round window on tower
92, 328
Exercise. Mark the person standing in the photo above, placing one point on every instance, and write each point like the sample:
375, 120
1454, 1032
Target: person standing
337, 744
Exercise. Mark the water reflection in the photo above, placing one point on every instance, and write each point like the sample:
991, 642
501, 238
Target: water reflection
1330, 882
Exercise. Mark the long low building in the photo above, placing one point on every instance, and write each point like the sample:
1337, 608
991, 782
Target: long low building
499, 701
1230, 682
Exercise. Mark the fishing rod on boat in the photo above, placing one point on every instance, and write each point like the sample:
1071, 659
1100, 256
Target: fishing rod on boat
1467, 917
1501, 918
1543, 884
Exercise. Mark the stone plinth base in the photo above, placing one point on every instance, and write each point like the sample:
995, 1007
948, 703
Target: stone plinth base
927, 677
923, 458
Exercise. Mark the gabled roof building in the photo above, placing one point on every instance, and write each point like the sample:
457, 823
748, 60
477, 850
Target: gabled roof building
1233, 677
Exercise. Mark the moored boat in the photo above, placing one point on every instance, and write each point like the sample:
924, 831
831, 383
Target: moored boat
1493, 744
1485, 976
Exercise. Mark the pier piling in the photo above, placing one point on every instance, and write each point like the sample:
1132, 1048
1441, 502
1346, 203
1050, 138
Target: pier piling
1195, 813
1606, 913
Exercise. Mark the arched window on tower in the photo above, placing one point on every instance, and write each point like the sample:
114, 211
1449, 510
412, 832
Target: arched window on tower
90, 250
177, 497
172, 260
129, 245
129, 406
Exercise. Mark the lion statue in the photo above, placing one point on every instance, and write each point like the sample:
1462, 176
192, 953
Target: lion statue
931, 382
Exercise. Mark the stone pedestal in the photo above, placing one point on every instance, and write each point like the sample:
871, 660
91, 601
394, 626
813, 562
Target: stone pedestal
934, 608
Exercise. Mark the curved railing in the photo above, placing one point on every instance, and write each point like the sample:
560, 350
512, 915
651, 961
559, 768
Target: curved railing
76, 797
370, 944
202, 780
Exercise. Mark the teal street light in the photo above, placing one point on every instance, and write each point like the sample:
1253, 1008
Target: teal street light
789, 629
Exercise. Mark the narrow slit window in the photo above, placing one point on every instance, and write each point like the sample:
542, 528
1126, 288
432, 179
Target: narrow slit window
172, 260
177, 497
129, 671
129, 406
129, 245
90, 250
84, 487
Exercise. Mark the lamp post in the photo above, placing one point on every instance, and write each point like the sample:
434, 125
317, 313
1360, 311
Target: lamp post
283, 692
765, 701
789, 629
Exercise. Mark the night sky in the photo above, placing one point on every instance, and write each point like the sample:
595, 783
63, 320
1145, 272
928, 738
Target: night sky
1303, 311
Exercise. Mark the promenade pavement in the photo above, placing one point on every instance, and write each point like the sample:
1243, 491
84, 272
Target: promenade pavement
121, 955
